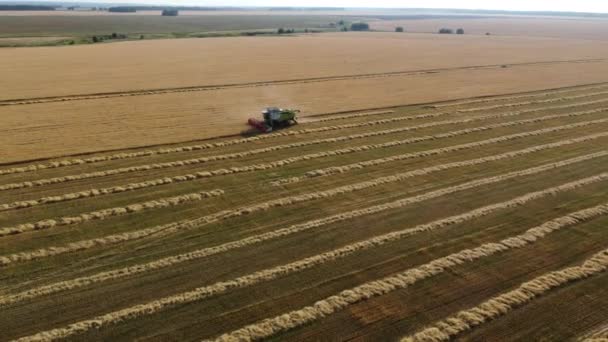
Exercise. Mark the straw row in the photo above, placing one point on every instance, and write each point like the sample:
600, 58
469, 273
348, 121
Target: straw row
504, 303
513, 97
168, 150
167, 229
332, 304
597, 335
111, 212
548, 227
413, 155
526, 103
333, 117
291, 160
266, 150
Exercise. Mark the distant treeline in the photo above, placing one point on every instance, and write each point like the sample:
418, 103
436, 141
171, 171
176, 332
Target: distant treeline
205, 8
178, 8
122, 9
307, 9
170, 12
26, 8
428, 16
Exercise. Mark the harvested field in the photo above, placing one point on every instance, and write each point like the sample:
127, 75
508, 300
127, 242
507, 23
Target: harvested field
502, 304
597, 334
469, 219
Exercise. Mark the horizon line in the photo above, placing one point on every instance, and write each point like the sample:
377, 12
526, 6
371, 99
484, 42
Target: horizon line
295, 7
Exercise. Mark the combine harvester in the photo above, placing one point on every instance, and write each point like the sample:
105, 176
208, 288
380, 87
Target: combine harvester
274, 117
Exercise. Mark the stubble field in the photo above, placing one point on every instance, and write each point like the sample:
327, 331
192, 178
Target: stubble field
373, 225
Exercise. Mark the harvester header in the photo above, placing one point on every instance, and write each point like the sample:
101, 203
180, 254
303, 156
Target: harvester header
274, 117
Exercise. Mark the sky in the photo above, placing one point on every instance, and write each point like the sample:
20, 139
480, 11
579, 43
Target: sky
518, 5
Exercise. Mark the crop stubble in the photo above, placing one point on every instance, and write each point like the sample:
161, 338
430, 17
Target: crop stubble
322, 308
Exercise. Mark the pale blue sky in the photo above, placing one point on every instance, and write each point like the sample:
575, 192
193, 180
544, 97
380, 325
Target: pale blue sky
526, 5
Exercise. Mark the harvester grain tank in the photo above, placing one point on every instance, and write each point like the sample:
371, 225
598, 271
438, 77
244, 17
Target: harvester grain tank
274, 117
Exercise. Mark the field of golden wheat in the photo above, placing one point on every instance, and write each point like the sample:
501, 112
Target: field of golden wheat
155, 92
152, 65
481, 219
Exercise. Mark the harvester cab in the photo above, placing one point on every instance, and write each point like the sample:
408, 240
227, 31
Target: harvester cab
274, 117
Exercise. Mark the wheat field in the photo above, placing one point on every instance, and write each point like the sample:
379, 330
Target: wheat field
181, 63
155, 92
481, 218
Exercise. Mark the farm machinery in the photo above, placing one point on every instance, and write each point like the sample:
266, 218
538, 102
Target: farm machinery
274, 117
